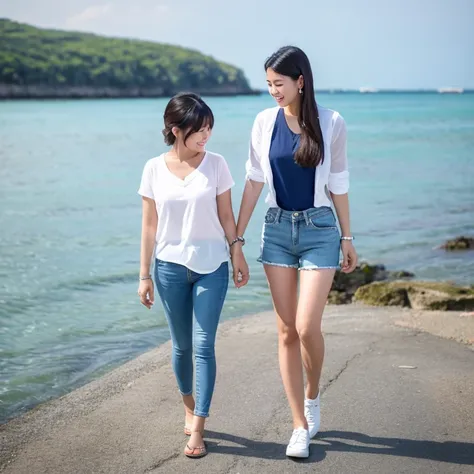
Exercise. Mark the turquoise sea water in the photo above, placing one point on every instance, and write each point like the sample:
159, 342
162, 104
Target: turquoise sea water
70, 219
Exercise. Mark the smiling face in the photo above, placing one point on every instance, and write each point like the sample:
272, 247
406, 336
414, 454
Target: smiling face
196, 141
283, 89
188, 121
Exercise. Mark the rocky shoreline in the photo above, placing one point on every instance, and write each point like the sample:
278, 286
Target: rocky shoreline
425, 295
376, 286
458, 243
16, 92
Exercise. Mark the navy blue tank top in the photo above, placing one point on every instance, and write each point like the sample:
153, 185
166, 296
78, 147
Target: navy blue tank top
294, 185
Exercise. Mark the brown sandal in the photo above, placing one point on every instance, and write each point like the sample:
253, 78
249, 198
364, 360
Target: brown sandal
198, 452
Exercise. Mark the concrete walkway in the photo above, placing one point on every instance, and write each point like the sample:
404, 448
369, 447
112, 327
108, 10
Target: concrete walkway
394, 400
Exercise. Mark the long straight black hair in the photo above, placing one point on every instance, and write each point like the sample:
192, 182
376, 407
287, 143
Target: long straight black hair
292, 62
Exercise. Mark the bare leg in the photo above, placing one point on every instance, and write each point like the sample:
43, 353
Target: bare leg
283, 284
314, 289
189, 405
197, 430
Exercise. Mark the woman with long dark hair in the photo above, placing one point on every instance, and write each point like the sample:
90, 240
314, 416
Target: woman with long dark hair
299, 149
188, 227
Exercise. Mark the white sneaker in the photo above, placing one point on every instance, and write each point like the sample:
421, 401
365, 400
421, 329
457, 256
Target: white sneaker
312, 412
298, 447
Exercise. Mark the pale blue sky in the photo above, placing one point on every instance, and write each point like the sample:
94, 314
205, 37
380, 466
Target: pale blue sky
351, 43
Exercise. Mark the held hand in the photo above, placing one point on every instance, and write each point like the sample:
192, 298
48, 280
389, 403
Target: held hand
146, 293
349, 255
241, 269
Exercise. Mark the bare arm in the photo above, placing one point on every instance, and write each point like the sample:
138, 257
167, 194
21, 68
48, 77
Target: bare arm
341, 203
227, 220
226, 215
149, 226
255, 179
252, 192
338, 185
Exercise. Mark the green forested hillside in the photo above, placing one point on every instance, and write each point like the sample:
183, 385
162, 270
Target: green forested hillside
54, 59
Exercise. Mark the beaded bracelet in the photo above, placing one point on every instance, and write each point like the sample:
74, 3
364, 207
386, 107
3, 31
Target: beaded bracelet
237, 239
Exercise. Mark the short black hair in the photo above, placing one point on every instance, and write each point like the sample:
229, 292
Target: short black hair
188, 112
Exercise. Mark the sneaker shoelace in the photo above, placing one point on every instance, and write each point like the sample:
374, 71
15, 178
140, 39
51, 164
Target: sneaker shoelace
295, 437
309, 413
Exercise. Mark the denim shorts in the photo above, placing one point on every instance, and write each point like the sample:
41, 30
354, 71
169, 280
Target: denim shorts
307, 240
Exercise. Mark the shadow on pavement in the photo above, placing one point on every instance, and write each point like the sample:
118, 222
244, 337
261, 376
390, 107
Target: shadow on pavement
346, 441
456, 452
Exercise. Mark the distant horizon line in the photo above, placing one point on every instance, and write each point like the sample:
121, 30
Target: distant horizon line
390, 91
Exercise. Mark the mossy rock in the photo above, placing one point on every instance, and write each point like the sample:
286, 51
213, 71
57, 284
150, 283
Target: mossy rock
418, 295
339, 297
443, 296
364, 274
400, 275
382, 294
459, 243
438, 286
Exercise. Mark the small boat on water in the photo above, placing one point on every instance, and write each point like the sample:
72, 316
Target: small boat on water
450, 90
368, 90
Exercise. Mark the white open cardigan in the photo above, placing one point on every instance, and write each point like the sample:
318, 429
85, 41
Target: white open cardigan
332, 175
